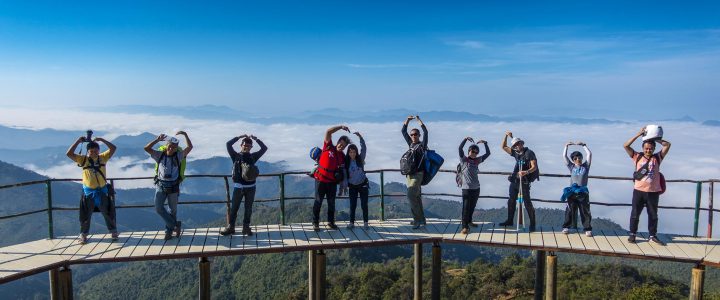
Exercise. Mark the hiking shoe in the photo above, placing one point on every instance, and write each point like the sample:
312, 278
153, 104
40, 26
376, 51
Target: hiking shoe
351, 225
465, 231
114, 236
365, 225
168, 235
566, 230
412, 223
177, 228
473, 224
247, 231
654, 239
83, 239
227, 231
332, 226
631, 238
506, 223
419, 226
588, 233
316, 227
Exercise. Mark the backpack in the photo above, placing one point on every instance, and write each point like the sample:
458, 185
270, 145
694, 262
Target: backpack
458, 174
431, 165
411, 160
247, 169
535, 175
315, 154
182, 162
111, 189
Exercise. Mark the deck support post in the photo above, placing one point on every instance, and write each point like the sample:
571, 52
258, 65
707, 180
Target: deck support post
697, 282
311, 275
65, 288
418, 272
54, 284
204, 289
436, 264
551, 276
320, 260
539, 273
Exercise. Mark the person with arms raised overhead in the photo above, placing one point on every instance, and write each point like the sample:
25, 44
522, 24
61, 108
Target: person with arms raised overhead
169, 172
525, 172
357, 181
330, 172
97, 193
244, 176
467, 178
411, 165
577, 194
648, 181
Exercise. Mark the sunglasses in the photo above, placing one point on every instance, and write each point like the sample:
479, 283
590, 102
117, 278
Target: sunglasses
473, 151
577, 157
414, 134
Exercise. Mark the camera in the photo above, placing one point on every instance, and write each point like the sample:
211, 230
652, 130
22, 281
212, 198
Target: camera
88, 135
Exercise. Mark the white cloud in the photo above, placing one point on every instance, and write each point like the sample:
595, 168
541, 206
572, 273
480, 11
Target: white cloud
691, 155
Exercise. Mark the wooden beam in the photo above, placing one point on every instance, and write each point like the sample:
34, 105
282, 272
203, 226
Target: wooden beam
697, 282
204, 290
539, 273
436, 269
551, 277
320, 260
65, 284
418, 272
312, 270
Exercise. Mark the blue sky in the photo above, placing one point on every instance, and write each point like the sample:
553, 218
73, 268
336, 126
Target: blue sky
624, 59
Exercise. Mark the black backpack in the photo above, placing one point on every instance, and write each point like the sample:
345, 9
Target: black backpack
244, 169
411, 160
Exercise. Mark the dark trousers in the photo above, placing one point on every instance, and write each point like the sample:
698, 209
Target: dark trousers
641, 200
107, 208
324, 190
512, 198
363, 190
238, 194
470, 198
577, 202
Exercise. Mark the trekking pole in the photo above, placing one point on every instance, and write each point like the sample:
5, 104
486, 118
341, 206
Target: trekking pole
520, 199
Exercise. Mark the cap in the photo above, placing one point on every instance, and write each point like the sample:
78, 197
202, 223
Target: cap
172, 140
515, 141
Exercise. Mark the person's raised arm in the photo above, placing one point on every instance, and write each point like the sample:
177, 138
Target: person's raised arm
363, 147
262, 150
504, 145
149, 147
628, 145
588, 153
425, 137
230, 143
461, 148
665, 148
331, 130
111, 146
71, 151
487, 150
565, 150
189, 144
405, 134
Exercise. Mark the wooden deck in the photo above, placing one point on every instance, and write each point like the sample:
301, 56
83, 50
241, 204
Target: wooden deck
22, 260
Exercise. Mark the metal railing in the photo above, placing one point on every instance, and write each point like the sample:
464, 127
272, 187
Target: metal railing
282, 198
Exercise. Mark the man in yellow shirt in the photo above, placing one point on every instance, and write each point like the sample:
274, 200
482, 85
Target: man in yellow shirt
94, 182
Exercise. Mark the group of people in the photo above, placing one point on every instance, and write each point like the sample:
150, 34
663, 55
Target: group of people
341, 172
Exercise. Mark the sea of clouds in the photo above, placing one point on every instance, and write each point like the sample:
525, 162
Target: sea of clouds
693, 154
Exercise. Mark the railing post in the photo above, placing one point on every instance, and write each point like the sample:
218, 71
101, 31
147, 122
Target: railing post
698, 196
227, 202
417, 283
710, 209
282, 199
382, 195
697, 282
204, 285
48, 187
539, 273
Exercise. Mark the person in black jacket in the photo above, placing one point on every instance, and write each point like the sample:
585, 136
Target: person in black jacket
242, 188
414, 180
525, 166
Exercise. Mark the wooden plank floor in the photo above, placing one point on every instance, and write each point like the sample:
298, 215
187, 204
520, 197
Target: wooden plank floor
25, 259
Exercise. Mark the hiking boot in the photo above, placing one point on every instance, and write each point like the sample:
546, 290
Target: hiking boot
588, 233
631, 238
247, 231
316, 227
365, 225
412, 223
332, 226
227, 231
465, 231
654, 239
351, 225
473, 224
83, 239
419, 226
114, 236
177, 228
506, 223
168, 236
566, 230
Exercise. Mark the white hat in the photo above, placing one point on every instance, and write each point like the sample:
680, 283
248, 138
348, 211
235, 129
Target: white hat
515, 141
652, 132
173, 140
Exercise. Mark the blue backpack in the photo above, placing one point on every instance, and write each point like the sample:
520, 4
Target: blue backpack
431, 165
